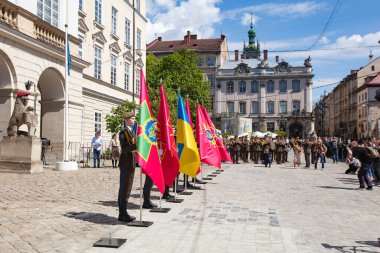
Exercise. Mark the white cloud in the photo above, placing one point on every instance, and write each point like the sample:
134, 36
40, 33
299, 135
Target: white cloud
175, 18
277, 9
246, 19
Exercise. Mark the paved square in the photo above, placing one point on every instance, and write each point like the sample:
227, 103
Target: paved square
247, 208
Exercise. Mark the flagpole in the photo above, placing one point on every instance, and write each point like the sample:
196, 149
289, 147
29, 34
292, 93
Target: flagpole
66, 164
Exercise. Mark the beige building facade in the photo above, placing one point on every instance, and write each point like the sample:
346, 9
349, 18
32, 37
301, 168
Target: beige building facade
32, 44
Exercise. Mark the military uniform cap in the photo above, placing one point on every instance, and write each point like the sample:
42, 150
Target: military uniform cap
129, 114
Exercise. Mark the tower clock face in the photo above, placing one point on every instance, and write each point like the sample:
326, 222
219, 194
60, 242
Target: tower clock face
282, 67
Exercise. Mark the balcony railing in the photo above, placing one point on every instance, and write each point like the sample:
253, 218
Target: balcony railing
8, 14
49, 34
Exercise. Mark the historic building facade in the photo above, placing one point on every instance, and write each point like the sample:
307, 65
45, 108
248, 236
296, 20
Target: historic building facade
212, 53
107, 41
273, 95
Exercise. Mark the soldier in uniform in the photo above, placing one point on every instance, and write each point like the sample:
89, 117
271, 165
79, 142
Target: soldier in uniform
251, 149
259, 150
236, 148
127, 165
279, 150
313, 149
255, 154
307, 151
242, 148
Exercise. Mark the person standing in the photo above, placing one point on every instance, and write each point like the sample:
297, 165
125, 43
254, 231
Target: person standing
297, 154
307, 151
127, 165
365, 159
334, 150
114, 147
96, 144
320, 154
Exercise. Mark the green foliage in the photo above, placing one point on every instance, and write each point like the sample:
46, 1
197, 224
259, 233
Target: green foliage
115, 119
280, 133
178, 70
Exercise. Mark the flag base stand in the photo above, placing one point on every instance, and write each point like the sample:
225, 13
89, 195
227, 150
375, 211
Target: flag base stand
206, 178
216, 173
220, 170
185, 193
109, 242
174, 200
138, 223
159, 210
201, 182
212, 175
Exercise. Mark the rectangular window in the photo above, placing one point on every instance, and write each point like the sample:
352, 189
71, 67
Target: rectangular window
296, 107
270, 126
255, 87
114, 21
126, 76
137, 81
138, 5
255, 126
283, 107
270, 107
230, 108
210, 79
48, 11
210, 61
283, 86
296, 85
113, 69
255, 107
81, 5
230, 87
242, 87
138, 39
270, 86
98, 11
98, 62
80, 48
200, 62
127, 32
98, 121
242, 107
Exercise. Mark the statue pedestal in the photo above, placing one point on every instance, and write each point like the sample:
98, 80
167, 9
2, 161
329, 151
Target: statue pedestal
20, 154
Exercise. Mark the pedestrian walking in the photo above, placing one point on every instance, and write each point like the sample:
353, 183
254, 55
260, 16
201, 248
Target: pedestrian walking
96, 144
114, 147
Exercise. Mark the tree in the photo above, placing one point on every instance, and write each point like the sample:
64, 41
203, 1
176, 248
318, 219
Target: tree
178, 70
115, 119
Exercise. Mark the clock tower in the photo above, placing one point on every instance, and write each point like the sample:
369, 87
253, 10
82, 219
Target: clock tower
252, 51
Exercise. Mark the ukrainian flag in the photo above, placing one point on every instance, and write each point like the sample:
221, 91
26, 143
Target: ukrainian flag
189, 160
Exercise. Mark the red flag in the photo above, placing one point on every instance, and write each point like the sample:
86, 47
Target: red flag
207, 143
166, 142
147, 151
188, 112
224, 156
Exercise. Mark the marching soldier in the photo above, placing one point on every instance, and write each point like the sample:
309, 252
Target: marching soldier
279, 150
236, 148
251, 148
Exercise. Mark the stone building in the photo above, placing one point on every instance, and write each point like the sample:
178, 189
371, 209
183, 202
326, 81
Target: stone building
107, 41
274, 95
212, 53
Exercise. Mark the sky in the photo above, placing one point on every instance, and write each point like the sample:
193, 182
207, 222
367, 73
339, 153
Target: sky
338, 34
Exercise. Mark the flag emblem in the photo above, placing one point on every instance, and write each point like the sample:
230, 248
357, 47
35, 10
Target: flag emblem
150, 131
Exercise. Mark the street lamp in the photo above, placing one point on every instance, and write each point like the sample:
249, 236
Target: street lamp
322, 112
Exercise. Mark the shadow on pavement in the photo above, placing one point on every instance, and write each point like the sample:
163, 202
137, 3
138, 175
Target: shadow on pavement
354, 249
107, 203
335, 187
130, 205
97, 218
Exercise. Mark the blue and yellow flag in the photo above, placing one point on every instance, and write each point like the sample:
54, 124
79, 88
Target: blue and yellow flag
189, 160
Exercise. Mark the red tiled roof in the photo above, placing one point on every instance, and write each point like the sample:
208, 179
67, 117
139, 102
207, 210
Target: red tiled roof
195, 44
375, 81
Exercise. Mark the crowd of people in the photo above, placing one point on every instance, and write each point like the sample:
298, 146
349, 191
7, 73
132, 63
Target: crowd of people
362, 156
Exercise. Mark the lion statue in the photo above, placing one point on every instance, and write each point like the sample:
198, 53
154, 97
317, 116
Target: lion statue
22, 114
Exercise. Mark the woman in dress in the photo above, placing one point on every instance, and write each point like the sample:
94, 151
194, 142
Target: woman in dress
114, 147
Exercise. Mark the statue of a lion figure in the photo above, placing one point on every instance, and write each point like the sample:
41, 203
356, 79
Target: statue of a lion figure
22, 114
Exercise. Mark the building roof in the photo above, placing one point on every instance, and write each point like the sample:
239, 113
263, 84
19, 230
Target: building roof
376, 80
189, 42
252, 63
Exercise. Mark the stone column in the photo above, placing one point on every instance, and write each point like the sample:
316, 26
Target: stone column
309, 96
217, 101
263, 123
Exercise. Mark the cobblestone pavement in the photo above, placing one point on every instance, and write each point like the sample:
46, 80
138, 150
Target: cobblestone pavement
247, 208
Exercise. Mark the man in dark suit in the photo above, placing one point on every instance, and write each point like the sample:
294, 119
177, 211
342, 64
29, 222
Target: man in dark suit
127, 165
